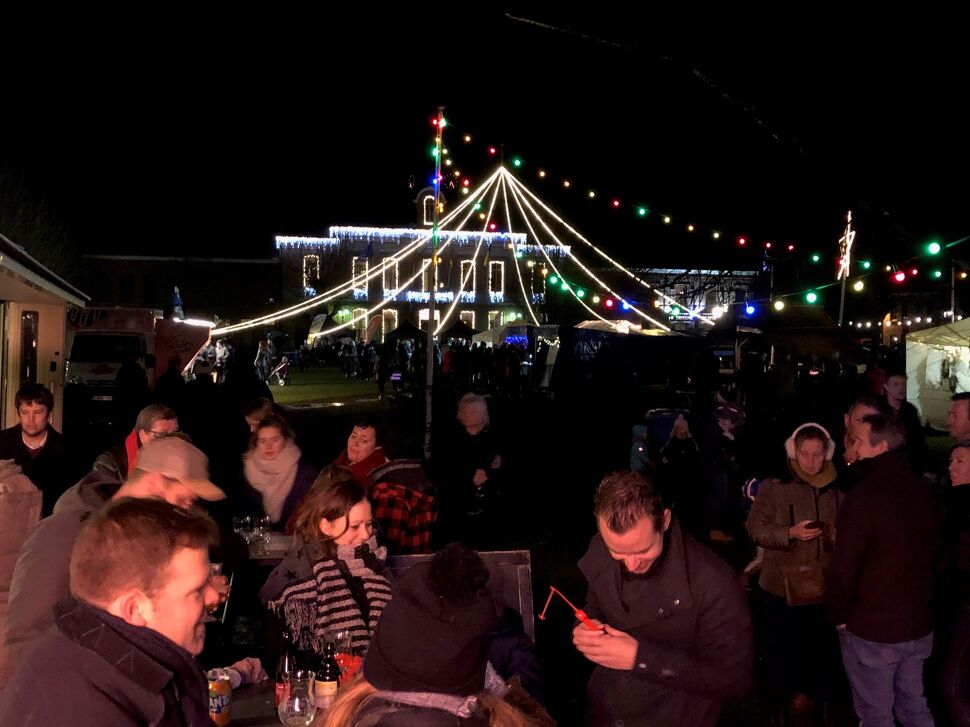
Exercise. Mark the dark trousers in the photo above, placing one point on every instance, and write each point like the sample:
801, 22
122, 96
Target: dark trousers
803, 651
955, 672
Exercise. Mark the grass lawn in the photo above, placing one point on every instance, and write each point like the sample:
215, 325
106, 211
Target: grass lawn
322, 384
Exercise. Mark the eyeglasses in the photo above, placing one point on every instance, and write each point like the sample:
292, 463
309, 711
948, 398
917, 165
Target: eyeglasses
160, 434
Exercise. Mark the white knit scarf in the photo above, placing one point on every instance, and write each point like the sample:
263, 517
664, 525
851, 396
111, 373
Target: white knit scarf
273, 479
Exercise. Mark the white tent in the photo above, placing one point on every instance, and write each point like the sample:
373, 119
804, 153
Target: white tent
937, 367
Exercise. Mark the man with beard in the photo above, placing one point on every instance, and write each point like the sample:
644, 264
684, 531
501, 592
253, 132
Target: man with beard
673, 632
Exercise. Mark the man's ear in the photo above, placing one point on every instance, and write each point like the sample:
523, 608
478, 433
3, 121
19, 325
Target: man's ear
667, 517
131, 607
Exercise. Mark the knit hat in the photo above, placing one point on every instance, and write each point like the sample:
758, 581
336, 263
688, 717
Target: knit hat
426, 642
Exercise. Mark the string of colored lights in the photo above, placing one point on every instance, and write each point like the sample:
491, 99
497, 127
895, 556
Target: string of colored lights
569, 288
515, 257
471, 268
519, 185
347, 286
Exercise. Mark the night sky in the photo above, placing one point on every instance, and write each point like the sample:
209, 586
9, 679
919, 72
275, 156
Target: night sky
165, 136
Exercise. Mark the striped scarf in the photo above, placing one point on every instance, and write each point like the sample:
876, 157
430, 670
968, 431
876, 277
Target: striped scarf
324, 600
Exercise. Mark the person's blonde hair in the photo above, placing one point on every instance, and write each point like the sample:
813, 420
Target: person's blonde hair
355, 694
473, 401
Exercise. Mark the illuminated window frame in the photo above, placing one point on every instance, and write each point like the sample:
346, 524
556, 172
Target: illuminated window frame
355, 271
501, 268
311, 269
385, 315
423, 318
392, 275
470, 287
468, 316
360, 327
427, 209
426, 275
494, 319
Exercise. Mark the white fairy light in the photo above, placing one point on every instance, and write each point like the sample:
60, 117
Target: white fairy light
518, 185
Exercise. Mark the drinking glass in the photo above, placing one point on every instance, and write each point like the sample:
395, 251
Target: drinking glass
298, 707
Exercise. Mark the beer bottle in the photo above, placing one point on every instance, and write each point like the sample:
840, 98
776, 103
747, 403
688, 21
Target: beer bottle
285, 664
327, 678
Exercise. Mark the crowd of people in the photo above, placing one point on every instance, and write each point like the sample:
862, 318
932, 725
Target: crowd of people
860, 545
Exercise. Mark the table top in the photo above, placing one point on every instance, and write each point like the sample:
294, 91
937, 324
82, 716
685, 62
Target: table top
254, 705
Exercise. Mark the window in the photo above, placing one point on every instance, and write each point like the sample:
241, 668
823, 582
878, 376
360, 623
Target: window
29, 327
423, 318
390, 276
426, 275
427, 210
468, 269
496, 276
468, 318
311, 270
494, 319
359, 269
388, 321
360, 326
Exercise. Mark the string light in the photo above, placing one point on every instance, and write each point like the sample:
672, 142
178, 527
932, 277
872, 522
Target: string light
517, 187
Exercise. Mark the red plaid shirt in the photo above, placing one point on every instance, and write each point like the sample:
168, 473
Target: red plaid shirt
405, 516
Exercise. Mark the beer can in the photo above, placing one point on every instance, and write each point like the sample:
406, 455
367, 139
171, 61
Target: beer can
220, 697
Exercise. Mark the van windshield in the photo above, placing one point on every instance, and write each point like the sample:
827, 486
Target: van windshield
105, 348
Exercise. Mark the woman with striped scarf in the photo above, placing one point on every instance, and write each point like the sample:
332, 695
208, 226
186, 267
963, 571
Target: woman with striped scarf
333, 579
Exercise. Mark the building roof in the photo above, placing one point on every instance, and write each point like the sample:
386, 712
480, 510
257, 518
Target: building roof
27, 280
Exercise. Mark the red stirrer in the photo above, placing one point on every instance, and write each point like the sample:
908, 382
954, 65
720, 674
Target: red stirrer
578, 612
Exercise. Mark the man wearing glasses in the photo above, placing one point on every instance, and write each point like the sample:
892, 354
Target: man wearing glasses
153, 421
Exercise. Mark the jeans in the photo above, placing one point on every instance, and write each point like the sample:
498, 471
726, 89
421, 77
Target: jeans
887, 678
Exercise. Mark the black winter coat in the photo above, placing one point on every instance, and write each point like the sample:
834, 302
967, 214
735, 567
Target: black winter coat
692, 623
92, 669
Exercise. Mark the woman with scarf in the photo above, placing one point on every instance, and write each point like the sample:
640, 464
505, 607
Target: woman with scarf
794, 521
333, 579
276, 475
364, 450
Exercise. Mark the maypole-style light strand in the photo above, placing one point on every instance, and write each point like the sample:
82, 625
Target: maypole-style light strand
387, 300
355, 281
542, 247
515, 257
586, 270
471, 268
602, 254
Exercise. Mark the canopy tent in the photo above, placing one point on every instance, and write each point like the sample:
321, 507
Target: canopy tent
798, 330
406, 330
460, 329
937, 367
622, 327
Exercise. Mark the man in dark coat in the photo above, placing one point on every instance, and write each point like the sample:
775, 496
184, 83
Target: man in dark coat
35, 445
879, 582
122, 649
671, 633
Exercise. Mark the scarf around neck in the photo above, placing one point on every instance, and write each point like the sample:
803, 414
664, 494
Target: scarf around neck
462, 707
315, 596
273, 479
822, 479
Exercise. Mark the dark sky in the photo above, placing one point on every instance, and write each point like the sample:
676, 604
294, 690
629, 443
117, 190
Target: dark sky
210, 135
